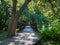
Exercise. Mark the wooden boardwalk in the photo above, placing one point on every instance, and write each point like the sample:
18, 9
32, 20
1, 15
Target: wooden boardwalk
23, 38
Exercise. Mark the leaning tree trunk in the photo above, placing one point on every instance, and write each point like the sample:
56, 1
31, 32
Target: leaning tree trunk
12, 23
14, 18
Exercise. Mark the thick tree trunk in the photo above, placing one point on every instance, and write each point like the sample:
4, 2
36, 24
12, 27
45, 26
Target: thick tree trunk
12, 26
12, 23
14, 18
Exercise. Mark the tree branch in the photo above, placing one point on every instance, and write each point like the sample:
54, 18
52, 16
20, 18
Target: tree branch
22, 8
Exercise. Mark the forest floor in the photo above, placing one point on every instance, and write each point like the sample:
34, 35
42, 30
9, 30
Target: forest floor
22, 38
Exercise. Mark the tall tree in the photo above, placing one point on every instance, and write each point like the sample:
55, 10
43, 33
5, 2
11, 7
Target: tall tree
15, 16
12, 20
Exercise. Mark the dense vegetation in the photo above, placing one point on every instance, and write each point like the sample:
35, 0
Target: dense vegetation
45, 14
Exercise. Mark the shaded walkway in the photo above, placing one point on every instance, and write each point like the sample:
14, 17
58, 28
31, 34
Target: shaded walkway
27, 37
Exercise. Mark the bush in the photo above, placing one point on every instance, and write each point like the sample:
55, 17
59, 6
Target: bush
4, 15
53, 34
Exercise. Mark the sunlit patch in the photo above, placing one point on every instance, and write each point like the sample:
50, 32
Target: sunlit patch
12, 43
16, 40
0, 41
29, 42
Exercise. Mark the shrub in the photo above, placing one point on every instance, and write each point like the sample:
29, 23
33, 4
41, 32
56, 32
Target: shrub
53, 34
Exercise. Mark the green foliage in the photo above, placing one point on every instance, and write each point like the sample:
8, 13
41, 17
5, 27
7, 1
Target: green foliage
52, 34
4, 14
41, 11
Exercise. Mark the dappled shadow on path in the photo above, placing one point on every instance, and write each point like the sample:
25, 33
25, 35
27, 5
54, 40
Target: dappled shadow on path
23, 38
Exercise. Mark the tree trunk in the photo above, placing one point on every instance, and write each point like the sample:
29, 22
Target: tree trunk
14, 18
12, 26
12, 23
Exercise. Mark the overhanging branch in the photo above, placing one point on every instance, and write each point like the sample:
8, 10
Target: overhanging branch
23, 7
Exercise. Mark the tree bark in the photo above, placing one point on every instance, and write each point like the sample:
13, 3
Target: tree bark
14, 17
12, 23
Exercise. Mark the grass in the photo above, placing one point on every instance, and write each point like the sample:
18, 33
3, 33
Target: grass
3, 35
